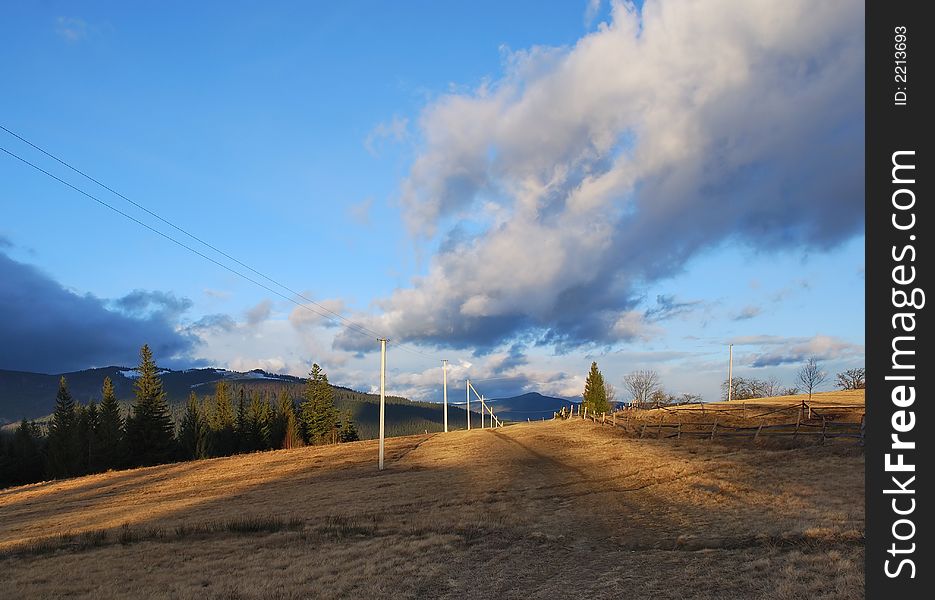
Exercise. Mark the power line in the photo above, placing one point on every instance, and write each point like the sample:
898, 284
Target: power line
348, 323
62, 162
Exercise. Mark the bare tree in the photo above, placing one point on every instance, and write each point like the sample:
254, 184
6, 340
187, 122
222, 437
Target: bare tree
811, 376
852, 379
611, 392
641, 385
660, 397
689, 398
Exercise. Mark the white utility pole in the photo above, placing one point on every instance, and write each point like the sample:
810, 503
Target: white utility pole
467, 390
382, 394
730, 374
445, 384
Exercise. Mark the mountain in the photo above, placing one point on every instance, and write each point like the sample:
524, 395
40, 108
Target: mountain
32, 395
533, 406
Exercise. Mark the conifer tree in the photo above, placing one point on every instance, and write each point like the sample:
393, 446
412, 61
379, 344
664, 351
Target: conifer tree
240, 424
221, 420
109, 432
318, 416
347, 431
258, 423
595, 392
150, 430
84, 433
26, 454
193, 432
62, 455
284, 428
292, 434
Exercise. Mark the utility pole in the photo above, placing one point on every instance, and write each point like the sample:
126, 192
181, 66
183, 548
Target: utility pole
467, 390
730, 374
382, 394
445, 387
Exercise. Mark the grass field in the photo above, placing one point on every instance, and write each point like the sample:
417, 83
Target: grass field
552, 509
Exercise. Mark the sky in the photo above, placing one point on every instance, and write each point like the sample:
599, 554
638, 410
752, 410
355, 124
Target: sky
520, 188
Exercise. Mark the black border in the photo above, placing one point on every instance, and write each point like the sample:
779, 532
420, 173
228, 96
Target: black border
890, 128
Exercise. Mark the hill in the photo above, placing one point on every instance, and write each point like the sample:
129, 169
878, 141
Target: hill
32, 395
554, 509
532, 406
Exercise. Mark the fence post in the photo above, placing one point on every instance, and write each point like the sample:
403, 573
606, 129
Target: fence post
643, 430
603, 418
797, 423
678, 435
757, 434
824, 424
713, 428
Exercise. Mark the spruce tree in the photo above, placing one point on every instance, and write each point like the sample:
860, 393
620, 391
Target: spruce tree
109, 433
26, 454
221, 421
193, 433
258, 423
84, 433
240, 424
62, 455
284, 428
317, 415
347, 432
595, 393
150, 431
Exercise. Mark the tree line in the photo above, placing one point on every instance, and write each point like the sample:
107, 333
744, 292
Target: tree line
645, 390
97, 437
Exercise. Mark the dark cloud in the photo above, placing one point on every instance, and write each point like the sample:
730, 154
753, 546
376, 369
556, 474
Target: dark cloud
259, 313
747, 312
215, 322
46, 328
667, 307
144, 303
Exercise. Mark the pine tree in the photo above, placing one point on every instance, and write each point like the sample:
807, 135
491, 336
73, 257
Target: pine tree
292, 436
62, 456
221, 421
109, 433
284, 428
26, 454
595, 393
84, 432
318, 416
150, 431
240, 424
193, 433
258, 423
347, 432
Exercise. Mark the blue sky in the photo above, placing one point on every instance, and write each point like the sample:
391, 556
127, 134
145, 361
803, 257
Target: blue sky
520, 189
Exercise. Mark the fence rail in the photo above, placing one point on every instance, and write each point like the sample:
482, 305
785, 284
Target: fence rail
815, 425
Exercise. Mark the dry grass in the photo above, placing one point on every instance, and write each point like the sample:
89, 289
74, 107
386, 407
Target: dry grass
543, 510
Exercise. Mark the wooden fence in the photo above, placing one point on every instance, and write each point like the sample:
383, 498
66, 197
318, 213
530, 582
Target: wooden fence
815, 425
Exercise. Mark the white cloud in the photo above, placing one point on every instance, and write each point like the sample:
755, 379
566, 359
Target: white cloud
586, 173
72, 29
396, 130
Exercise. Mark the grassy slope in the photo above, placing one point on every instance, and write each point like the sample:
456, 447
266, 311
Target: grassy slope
541, 510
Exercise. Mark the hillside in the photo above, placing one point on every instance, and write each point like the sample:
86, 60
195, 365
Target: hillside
32, 395
532, 406
553, 509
